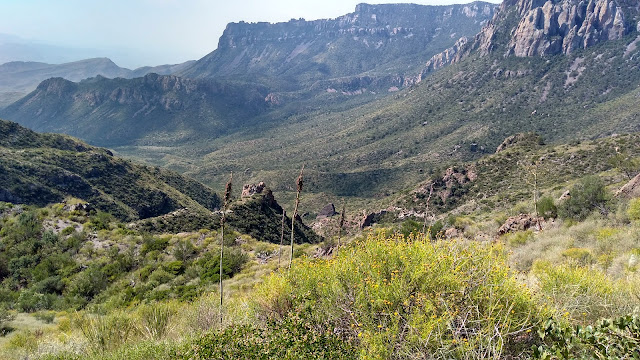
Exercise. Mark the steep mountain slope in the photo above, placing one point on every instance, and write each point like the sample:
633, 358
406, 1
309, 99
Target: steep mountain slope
261, 73
376, 42
458, 113
155, 109
19, 77
45, 168
40, 169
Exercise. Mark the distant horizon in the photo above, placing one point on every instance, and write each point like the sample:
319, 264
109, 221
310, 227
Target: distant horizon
138, 33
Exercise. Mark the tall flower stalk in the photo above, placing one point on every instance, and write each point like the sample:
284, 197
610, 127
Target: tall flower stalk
227, 199
295, 212
281, 237
340, 226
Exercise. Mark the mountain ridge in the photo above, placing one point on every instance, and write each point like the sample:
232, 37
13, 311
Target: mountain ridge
17, 78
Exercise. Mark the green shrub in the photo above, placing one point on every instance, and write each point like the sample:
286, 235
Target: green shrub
151, 243
45, 316
547, 209
617, 338
520, 237
586, 196
5, 318
634, 209
290, 338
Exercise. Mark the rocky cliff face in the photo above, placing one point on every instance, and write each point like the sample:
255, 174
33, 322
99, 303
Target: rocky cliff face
566, 26
539, 28
374, 40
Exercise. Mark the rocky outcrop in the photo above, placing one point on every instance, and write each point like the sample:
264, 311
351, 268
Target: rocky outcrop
546, 27
444, 187
519, 223
520, 139
446, 57
85, 207
252, 189
630, 189
555, 27
328, 211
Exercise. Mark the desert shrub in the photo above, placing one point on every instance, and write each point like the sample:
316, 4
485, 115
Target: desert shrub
585, 294
155, 319
88, 283
45, 316
578, 256
174, 267
104, 333
547, 208
100, 221
233, 261
410, 226
68, 231
289, 338
586, 196
183, 250
399, 298
634, 209
151, 243
520, 237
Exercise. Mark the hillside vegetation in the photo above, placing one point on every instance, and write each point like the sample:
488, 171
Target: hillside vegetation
41, 169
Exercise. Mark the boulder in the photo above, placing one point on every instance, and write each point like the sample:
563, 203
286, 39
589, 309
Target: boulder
328, 211
86, 207
630, 189
451, 233
519, 223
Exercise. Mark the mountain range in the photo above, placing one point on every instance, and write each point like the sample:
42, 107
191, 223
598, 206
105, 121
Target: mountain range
18, 78
355, 101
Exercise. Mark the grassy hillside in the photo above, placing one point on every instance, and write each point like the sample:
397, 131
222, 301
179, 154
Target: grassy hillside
45, 168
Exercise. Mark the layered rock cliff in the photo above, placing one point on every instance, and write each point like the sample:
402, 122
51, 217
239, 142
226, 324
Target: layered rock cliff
540, 28
375, 40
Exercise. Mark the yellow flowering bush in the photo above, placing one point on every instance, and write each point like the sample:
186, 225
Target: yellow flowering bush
402, 297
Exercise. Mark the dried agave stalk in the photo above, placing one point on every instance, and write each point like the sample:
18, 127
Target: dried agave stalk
281, 237
295, 212
340, 226
426, 213
227, 199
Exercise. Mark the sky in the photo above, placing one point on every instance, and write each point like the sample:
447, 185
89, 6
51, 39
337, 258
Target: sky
134, 33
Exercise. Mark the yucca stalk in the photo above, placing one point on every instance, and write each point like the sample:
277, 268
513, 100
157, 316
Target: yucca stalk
426, 213
281, 238
340, 226
227, 199
295, 212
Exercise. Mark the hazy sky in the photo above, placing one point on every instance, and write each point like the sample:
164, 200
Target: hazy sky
153, 32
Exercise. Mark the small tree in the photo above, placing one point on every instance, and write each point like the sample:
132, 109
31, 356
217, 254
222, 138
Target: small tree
547, 208
625, 164
586, 196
